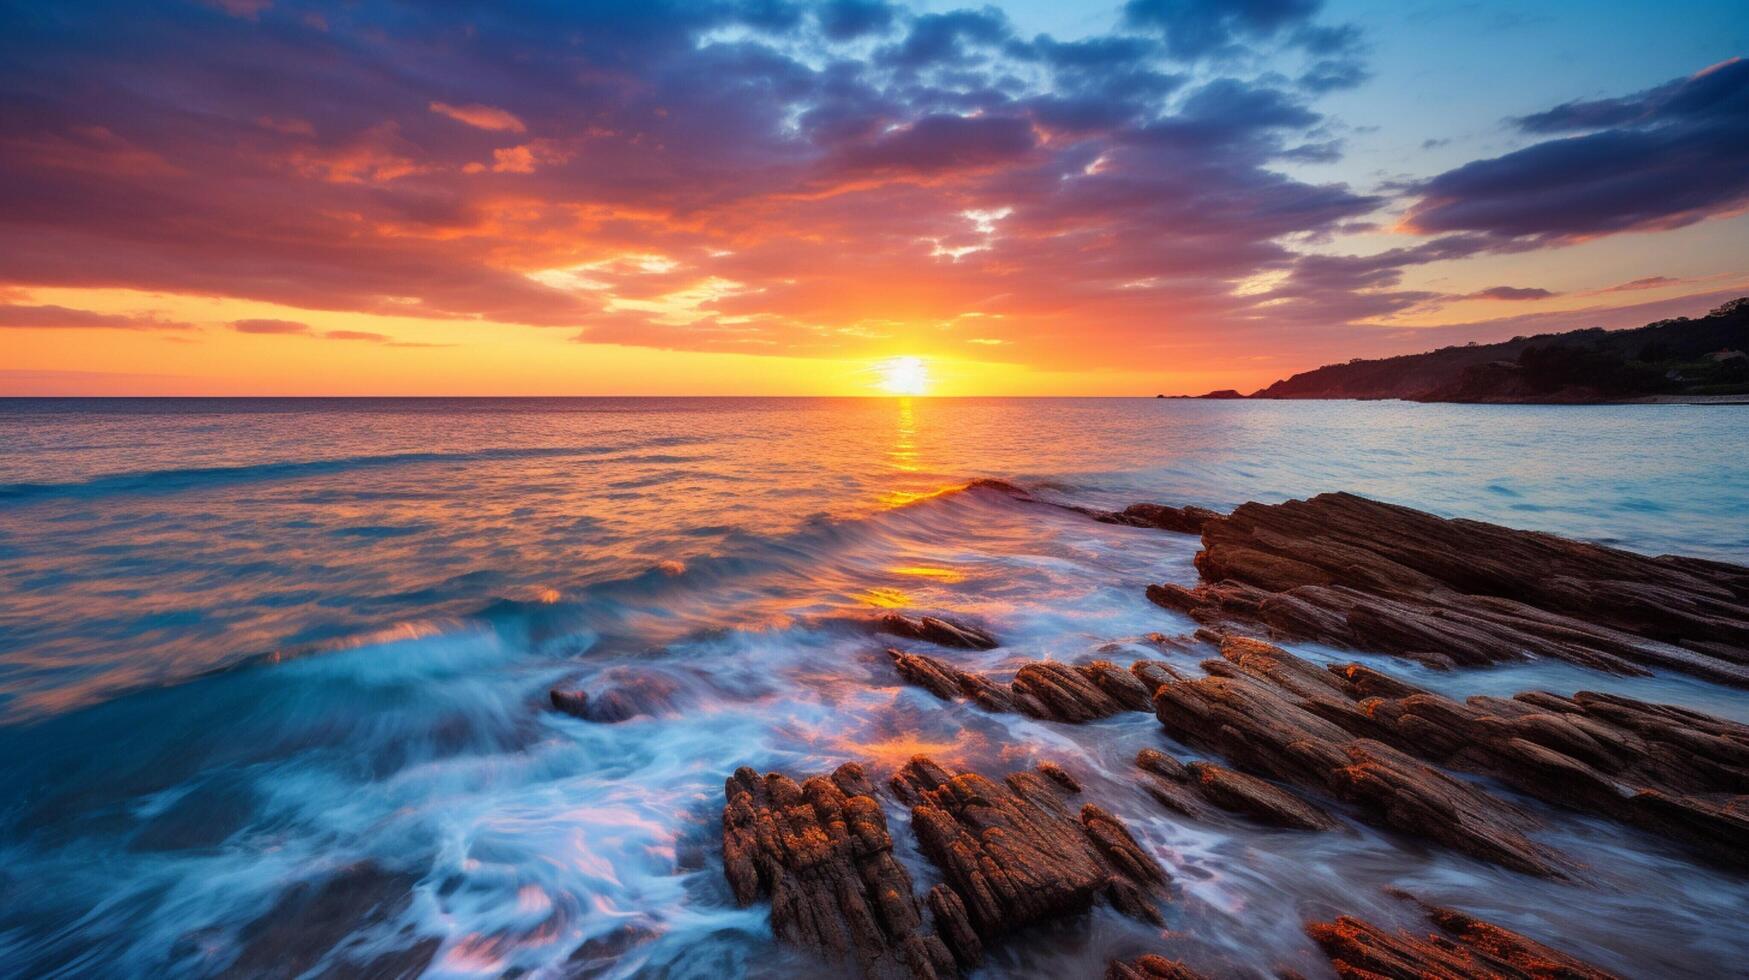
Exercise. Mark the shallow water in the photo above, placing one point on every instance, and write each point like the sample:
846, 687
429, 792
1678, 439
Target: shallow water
244, 645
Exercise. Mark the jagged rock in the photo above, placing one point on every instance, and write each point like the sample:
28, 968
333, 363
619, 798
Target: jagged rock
1345, 570
1466, 948
1058, 692
1183, 520
1043, 689
955, 926
1273, 716
938, 678
1151, 967
946, 681
822, 854
1172, 783
1057, 774
1015, 855
624, 694
1676, 772
1153, 673
937, 631
1122, 686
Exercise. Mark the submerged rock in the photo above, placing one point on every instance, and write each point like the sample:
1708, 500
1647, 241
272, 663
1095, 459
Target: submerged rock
1183, 520
1345, 570
1465, 948
821, 853
623, 694
312, 921
937, 631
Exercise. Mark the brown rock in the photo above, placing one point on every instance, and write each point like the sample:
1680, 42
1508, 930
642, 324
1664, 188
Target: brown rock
1151, 967
1466, 948
1122, 686
1044, 689
822, 854
1346, 570
1183, 520
624, 694
1057, 774
1058, 692
947, 682
1272, 714
937, 631
1676, 772
1015, 855
1186, 788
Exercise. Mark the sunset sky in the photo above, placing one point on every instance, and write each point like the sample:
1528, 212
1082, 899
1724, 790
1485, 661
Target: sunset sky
846, 197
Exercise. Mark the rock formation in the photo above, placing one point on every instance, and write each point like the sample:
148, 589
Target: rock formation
1465, 948
1346, 570
1151, 967
1184, 520
937, 631
1015, 855
623, 693
1012, 855
1045, 689
1191, 789
1263, 725
820, 851
1681, 774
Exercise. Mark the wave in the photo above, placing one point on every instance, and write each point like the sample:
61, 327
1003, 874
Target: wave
180, 479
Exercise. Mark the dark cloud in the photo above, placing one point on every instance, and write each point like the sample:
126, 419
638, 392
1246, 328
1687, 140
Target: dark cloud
50, 317
1512, 293
845, 20
937, 143
949, 38
1195, 28
1666, 157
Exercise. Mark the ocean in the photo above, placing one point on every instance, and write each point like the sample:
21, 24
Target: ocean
253, 647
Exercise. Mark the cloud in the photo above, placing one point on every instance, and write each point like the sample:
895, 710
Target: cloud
1644, 282
937, 143
1663, 158
19, 316
276, 327
846, 20
481, 117
758, 176
1515, 293
1195, 28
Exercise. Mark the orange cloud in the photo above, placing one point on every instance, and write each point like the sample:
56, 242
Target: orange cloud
481, 117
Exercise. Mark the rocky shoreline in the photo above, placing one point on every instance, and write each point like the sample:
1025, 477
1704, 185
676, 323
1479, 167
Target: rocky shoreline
1287, 743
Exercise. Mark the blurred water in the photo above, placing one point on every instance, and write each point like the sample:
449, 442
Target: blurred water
246, 645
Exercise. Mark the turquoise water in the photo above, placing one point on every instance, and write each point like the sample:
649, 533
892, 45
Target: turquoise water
247, 645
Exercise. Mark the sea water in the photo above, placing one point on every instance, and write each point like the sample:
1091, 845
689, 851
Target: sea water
250, 648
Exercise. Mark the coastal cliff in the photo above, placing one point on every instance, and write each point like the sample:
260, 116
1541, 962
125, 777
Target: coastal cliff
1705, 356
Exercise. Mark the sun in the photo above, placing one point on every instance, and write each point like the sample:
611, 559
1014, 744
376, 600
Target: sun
903, 375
